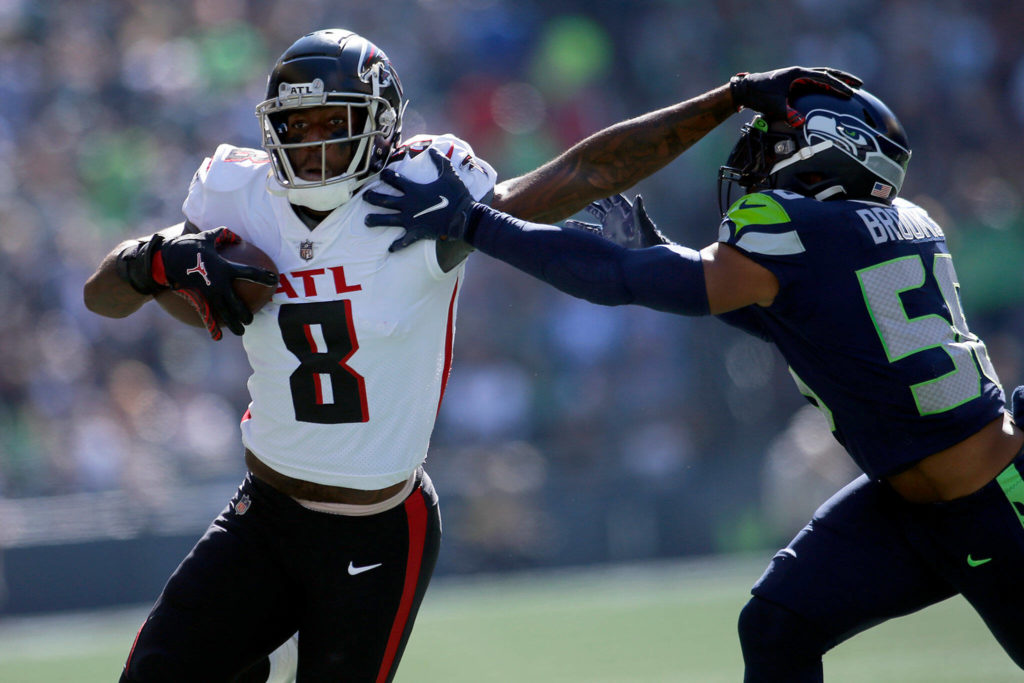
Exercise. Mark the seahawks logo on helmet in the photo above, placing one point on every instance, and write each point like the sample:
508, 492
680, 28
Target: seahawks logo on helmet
855, 138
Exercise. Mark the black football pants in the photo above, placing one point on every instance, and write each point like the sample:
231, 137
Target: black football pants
268, 567
867, 556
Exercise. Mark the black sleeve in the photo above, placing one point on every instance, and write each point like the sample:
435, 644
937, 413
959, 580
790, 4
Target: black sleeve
667, 278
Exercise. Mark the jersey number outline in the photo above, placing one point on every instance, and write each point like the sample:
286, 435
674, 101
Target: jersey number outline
322, 336
902, 336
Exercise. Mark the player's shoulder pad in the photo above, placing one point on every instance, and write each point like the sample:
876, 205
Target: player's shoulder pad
230, 168
901, 203
478, 175
761, 208
761, 223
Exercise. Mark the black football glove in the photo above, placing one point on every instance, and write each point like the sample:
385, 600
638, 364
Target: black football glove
625, 224
769, 92
191, 266
438, 210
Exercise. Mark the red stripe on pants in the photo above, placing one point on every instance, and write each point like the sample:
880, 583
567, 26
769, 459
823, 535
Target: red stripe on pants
416, 513
128, 662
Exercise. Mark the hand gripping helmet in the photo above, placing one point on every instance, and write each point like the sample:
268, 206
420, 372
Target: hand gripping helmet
333, 67
847, 148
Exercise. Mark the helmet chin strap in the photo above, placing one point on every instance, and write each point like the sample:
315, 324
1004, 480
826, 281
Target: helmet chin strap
830, 191
802, 154
324, 197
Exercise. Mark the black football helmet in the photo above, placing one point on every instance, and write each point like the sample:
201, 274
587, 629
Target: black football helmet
333, 67
847, 148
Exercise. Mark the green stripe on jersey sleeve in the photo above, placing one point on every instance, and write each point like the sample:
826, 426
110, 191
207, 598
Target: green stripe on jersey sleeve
759, 209
756, 209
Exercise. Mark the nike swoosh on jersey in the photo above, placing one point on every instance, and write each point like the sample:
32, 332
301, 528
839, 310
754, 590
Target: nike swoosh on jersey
353, 570
442, 202
746, 204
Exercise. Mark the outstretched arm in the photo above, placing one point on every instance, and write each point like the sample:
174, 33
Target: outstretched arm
612, 160
616, 158
667, 277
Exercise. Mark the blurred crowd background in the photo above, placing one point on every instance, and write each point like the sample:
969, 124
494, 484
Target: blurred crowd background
570, 433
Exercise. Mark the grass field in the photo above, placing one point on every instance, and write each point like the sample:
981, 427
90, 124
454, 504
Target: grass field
644, 623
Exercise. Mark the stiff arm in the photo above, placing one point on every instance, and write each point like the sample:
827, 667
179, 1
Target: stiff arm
613, 159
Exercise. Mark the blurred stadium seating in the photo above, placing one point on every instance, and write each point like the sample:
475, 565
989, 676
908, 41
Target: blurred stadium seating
570, 434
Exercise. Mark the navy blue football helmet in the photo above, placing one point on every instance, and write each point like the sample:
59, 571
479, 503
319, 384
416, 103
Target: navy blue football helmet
333, 67
847, 148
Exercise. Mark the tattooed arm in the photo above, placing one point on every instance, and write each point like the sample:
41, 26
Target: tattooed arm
612, 160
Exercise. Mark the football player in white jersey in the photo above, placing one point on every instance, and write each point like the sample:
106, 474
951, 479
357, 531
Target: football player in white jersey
335, 530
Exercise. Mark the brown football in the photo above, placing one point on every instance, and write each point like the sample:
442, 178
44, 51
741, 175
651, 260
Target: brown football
255, 295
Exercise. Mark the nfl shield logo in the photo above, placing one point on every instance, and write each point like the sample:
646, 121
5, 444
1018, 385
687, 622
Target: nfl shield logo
306, 250
242, 506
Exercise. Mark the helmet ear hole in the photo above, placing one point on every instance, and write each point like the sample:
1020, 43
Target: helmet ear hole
810, 177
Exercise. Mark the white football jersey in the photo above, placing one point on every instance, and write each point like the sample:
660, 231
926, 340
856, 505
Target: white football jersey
350, 358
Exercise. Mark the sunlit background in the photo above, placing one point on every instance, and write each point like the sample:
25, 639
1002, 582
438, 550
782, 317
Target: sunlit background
570, 434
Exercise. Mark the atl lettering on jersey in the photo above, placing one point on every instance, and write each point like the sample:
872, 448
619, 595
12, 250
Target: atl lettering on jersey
353, 351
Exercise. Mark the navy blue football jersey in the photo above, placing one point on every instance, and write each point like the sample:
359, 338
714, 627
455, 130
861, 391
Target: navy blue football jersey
868, 317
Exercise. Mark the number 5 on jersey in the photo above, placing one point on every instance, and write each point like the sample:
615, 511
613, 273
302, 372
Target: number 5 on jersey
904, 336
322, 336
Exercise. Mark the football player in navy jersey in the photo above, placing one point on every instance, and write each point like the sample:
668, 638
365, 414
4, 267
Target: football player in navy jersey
335, 530
857, 289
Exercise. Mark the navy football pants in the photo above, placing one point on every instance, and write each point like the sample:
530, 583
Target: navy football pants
267, 567
867, 556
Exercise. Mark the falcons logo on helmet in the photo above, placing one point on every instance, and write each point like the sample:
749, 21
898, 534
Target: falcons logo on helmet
375, 64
